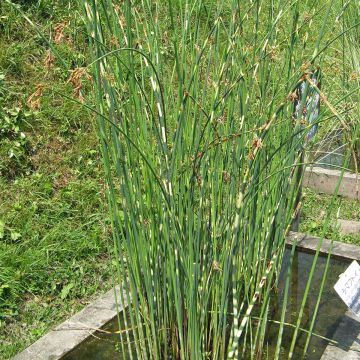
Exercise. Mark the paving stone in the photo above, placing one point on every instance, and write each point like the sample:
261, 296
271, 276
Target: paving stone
73, 331
348, 337
349, 227
310, 243
325, 181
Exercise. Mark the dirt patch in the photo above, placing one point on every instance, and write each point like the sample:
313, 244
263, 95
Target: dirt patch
50, 159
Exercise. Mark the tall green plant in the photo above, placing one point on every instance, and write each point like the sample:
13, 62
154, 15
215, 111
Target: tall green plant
341, 63
195, 117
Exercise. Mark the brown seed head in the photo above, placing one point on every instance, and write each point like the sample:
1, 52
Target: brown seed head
354, 76
33, 100
49, 60
257, 143
226, 177
305, 67
307, 18
78, 94
273, 52
292, 96
216, 266
76, 80
59, 32
77, 75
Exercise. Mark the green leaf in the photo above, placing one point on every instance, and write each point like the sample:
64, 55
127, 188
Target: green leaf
15, 235
2, 229
66, 290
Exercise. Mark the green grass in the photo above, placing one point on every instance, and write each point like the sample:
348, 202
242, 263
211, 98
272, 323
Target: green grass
54, 232
313, 216
53, 253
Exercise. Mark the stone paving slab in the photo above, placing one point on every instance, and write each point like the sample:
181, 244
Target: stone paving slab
65, 337
348, 337
325, 181
349, 227
310, 243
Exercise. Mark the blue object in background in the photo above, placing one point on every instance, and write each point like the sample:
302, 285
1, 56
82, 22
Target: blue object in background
307, 104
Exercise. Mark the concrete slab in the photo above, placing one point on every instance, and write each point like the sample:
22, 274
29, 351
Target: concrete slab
349, 227
325, 181
348, 337
310, 243
75, 330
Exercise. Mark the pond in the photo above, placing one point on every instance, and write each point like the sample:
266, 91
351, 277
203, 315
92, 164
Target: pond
331, 309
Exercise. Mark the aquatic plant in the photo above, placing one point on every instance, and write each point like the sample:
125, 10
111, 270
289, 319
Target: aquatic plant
201, 146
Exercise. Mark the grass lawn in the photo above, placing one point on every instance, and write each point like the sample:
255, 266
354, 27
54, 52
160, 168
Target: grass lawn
314, 216
54, 254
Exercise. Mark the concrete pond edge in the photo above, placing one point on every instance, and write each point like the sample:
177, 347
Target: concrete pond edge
347, 335
71, 333
337, 249
325, 181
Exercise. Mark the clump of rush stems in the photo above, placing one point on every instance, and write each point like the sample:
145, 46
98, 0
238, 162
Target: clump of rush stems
195, 104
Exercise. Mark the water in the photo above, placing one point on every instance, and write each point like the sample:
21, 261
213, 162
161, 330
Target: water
330, 311
101, 346
106, 346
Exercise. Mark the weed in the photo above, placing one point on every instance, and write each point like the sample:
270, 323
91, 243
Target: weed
15, 147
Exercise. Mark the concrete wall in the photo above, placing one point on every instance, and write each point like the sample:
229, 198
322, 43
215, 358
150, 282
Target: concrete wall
325, 181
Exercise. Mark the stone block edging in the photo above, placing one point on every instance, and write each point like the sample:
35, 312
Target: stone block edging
337, 249
68, 335
325, 181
